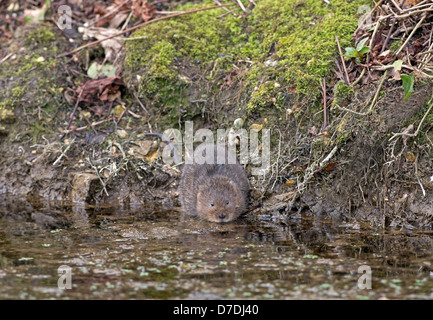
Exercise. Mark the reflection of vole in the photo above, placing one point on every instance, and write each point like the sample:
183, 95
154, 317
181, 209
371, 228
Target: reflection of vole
216, 192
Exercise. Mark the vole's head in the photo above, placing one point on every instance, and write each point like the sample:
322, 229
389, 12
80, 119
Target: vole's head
220, 200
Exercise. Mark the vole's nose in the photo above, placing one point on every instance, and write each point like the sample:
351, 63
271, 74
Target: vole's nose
222, 216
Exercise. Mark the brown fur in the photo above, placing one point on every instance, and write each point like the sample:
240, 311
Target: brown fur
215, 192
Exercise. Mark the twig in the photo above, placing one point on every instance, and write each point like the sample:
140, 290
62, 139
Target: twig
167, 12
314, 168
140, 103
426, 58
93, 124
139, 26
71, 117
328, 157
64, 152
351, 111
127, 21
420, 184
372, 39
419, 125
412, 13
7, 57
359, 78
419, 5
228, 10
366, 17
241, 5
109, 13
377, 92
325, 111
121, 149
406, 67
135, 38
410, 36
99, 177
388, 36
396, 5
417, 177
342, 61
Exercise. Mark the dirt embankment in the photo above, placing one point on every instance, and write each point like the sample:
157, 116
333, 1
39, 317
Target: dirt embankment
369, 161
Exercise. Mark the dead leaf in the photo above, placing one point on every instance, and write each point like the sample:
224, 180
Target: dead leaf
313, 131
144, 148
97, 110
102, 89
409, 3
143, 9
112, 47
396, 70
330, 166
152, 156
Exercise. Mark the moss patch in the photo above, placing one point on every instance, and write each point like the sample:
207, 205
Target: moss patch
342, 92
284, 48
297, 42
32, 79
199, 37
40, 36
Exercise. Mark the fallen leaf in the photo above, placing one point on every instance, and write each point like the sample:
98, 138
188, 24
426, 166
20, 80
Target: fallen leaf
96, 70
112, 47
152, 156
103, 89
143, 9
312, 131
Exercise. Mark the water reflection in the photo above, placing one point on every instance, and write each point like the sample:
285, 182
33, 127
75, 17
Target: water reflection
147, 252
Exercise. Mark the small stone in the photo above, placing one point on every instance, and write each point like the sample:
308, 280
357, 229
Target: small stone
121, 133
83, 186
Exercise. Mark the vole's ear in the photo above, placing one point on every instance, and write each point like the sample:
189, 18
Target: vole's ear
235, 188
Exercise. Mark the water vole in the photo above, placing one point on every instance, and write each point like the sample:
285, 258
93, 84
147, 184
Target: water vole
215, 192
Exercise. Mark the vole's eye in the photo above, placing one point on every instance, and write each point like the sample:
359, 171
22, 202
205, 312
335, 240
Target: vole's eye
212, 204
227, 202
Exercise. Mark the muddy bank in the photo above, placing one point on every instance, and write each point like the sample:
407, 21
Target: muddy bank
354, 169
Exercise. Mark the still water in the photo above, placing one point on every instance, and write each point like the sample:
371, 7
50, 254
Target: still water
150, 252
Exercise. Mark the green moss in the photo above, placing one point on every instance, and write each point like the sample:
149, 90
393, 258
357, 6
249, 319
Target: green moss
395, 46
13, 98
341, 92
289, 43
33, 81
171, 52
265, 96
301, 37
36, 130
40, 36
198, 37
